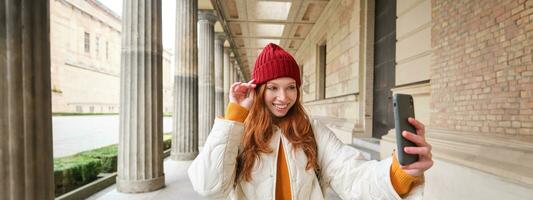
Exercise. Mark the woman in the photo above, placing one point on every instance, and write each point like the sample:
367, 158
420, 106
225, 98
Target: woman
268, 148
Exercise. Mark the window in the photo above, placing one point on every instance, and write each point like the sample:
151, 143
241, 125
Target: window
87, 43
321, 63
97, 48
79, 109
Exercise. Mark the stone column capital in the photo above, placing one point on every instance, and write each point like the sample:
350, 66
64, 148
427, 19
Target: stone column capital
207, 15
220, 36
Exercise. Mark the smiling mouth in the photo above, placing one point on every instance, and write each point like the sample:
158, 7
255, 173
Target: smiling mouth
280, 106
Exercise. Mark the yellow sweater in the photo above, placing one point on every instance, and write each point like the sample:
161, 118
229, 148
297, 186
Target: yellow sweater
401, 181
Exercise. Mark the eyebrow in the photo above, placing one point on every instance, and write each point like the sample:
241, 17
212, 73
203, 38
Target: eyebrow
272, 83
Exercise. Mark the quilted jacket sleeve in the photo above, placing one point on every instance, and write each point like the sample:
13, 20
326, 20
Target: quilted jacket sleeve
350, 174
212, 173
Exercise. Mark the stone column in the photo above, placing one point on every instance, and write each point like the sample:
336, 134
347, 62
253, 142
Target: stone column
240, 75
26, 159
227, 81
236, 72
230, 71
140, 153
185, 120
219, 74
206, 76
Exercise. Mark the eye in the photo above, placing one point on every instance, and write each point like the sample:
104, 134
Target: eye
292, 87
274, 88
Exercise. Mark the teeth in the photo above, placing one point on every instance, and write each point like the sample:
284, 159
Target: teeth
280, 106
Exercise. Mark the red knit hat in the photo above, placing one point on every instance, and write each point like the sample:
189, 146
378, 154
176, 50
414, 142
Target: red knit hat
274, 62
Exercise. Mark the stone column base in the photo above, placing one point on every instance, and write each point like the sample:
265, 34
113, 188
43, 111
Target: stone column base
184, 156
129, 186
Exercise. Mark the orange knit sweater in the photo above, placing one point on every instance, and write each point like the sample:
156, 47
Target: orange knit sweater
401, 181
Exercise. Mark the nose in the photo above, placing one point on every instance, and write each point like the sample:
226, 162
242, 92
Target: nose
282, 95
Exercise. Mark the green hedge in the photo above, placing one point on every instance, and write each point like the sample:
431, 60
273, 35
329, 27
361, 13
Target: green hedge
167, 141
74, 171
77, 170
107, 156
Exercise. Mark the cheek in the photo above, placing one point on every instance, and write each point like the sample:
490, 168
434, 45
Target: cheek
268, 98
293, 95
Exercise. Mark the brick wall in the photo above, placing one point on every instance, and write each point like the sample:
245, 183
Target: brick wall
482, 76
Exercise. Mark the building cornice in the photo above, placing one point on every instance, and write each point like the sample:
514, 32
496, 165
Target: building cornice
97, 18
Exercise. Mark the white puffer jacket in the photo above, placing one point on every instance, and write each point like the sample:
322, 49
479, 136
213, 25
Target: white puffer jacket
344, 168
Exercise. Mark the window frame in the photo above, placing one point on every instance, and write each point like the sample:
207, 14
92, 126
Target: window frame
87, 42
321, 69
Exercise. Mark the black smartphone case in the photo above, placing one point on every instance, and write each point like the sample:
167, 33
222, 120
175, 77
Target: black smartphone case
403, 109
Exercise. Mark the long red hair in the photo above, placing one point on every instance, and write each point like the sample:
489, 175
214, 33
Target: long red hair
295, 126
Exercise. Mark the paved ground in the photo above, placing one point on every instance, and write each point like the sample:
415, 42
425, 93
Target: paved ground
177, 187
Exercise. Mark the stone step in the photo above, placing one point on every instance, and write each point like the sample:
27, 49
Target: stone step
369, 146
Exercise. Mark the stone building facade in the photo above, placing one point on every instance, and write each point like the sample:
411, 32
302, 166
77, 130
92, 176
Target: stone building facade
468, 65
85, 53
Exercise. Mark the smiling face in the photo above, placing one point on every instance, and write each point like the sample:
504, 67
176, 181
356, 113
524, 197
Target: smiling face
280, 95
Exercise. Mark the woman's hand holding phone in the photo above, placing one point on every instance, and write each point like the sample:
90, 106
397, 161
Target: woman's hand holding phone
422, 149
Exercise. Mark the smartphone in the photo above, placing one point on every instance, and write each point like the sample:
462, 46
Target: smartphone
403, 109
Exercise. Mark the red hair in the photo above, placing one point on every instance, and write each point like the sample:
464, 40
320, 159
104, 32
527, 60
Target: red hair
295, 126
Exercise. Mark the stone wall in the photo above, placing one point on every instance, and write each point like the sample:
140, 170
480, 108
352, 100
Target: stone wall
84, 81
339, 28
413, 54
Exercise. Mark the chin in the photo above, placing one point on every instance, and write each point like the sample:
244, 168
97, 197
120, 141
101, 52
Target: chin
277, 114
280, 115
